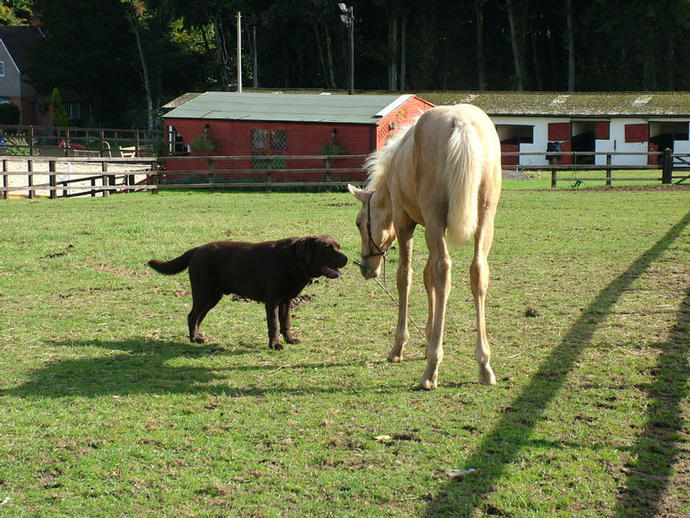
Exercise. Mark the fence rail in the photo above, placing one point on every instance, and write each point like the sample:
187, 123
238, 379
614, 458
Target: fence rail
668, 163
79, 176
21, 140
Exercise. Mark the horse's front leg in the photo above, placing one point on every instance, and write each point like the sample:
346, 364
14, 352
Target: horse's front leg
440, 271
403, 281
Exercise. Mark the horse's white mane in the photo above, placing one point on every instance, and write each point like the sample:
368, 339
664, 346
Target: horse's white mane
377, 163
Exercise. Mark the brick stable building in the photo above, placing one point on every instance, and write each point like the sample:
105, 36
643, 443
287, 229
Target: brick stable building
269, 126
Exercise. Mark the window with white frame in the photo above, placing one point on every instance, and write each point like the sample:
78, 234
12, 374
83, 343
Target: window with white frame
2, 69
73, 111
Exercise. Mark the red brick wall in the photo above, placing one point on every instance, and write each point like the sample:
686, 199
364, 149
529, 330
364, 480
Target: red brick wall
405, 115
234, 138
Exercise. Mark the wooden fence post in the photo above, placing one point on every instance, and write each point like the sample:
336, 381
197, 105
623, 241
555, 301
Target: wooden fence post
52, 179
5, 180
608, 170
553, 178
210, 172
667, 170
30, 168
104, 169
31, 140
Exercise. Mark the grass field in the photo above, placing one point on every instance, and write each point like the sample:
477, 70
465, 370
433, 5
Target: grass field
107, 410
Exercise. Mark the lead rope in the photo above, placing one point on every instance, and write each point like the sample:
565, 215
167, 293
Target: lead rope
383, 253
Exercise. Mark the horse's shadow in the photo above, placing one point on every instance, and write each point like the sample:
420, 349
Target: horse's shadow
148, 366
657, 446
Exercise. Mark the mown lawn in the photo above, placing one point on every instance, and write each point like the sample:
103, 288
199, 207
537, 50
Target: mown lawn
107, 410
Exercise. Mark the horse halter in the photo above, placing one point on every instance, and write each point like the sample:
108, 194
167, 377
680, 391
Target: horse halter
378, 252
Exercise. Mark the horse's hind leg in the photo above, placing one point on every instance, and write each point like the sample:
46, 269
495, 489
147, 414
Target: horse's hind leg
479, 277
440, 266
431, 296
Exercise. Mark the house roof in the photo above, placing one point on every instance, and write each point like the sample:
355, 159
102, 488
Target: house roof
348, 109
571, 104
19, 40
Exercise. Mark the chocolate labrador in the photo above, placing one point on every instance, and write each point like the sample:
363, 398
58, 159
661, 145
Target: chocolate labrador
272, 272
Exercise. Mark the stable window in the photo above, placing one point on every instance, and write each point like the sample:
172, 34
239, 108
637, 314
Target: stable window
516, 133
268, 149
2, 69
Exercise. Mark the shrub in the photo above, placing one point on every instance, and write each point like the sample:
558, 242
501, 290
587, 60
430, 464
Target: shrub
332, 147
204, 144
16, 146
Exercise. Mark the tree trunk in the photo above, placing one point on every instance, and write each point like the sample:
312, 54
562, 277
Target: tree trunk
329, 58
670, 61
517, 56
571, 46
392, 51
537, 64
403, 50
221, 53
481, 55
319, 50
134, 24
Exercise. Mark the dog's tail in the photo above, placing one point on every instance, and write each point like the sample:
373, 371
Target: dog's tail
173, 266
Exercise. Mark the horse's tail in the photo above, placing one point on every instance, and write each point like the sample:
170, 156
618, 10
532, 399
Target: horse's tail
173, 266
463, 176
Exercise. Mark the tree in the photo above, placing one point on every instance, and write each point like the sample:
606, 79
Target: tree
16, 12
516, 44
59, 111
571, 45
136, 15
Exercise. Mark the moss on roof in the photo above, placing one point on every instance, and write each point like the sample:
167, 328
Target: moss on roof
629, 104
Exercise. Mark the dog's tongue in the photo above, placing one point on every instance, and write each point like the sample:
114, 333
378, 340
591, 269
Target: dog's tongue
331, 273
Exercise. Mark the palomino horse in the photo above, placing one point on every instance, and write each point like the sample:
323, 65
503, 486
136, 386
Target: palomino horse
443, 173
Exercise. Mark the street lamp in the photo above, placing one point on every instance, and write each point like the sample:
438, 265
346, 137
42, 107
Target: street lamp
347, 16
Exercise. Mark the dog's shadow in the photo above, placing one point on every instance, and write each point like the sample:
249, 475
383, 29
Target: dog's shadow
147, 366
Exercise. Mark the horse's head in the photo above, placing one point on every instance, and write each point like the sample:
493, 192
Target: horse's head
375, 224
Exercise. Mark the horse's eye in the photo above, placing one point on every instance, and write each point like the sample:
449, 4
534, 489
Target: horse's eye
359, 225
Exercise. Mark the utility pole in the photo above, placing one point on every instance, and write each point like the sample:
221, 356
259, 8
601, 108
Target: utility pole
347, 16
239, 52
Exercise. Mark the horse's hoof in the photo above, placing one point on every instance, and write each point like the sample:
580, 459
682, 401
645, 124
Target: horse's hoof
276, 346
486, 376
428, 384
395, 358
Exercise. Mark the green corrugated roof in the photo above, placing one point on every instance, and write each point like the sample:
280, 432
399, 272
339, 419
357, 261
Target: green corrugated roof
354, 109
571, 104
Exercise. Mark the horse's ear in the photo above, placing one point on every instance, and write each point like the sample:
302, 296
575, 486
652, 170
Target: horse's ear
358, 193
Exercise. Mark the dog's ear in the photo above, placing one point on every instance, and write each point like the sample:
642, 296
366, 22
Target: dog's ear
305, 249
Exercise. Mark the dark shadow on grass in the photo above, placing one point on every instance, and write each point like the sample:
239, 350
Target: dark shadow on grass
514, 427
143, 366
657, 448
